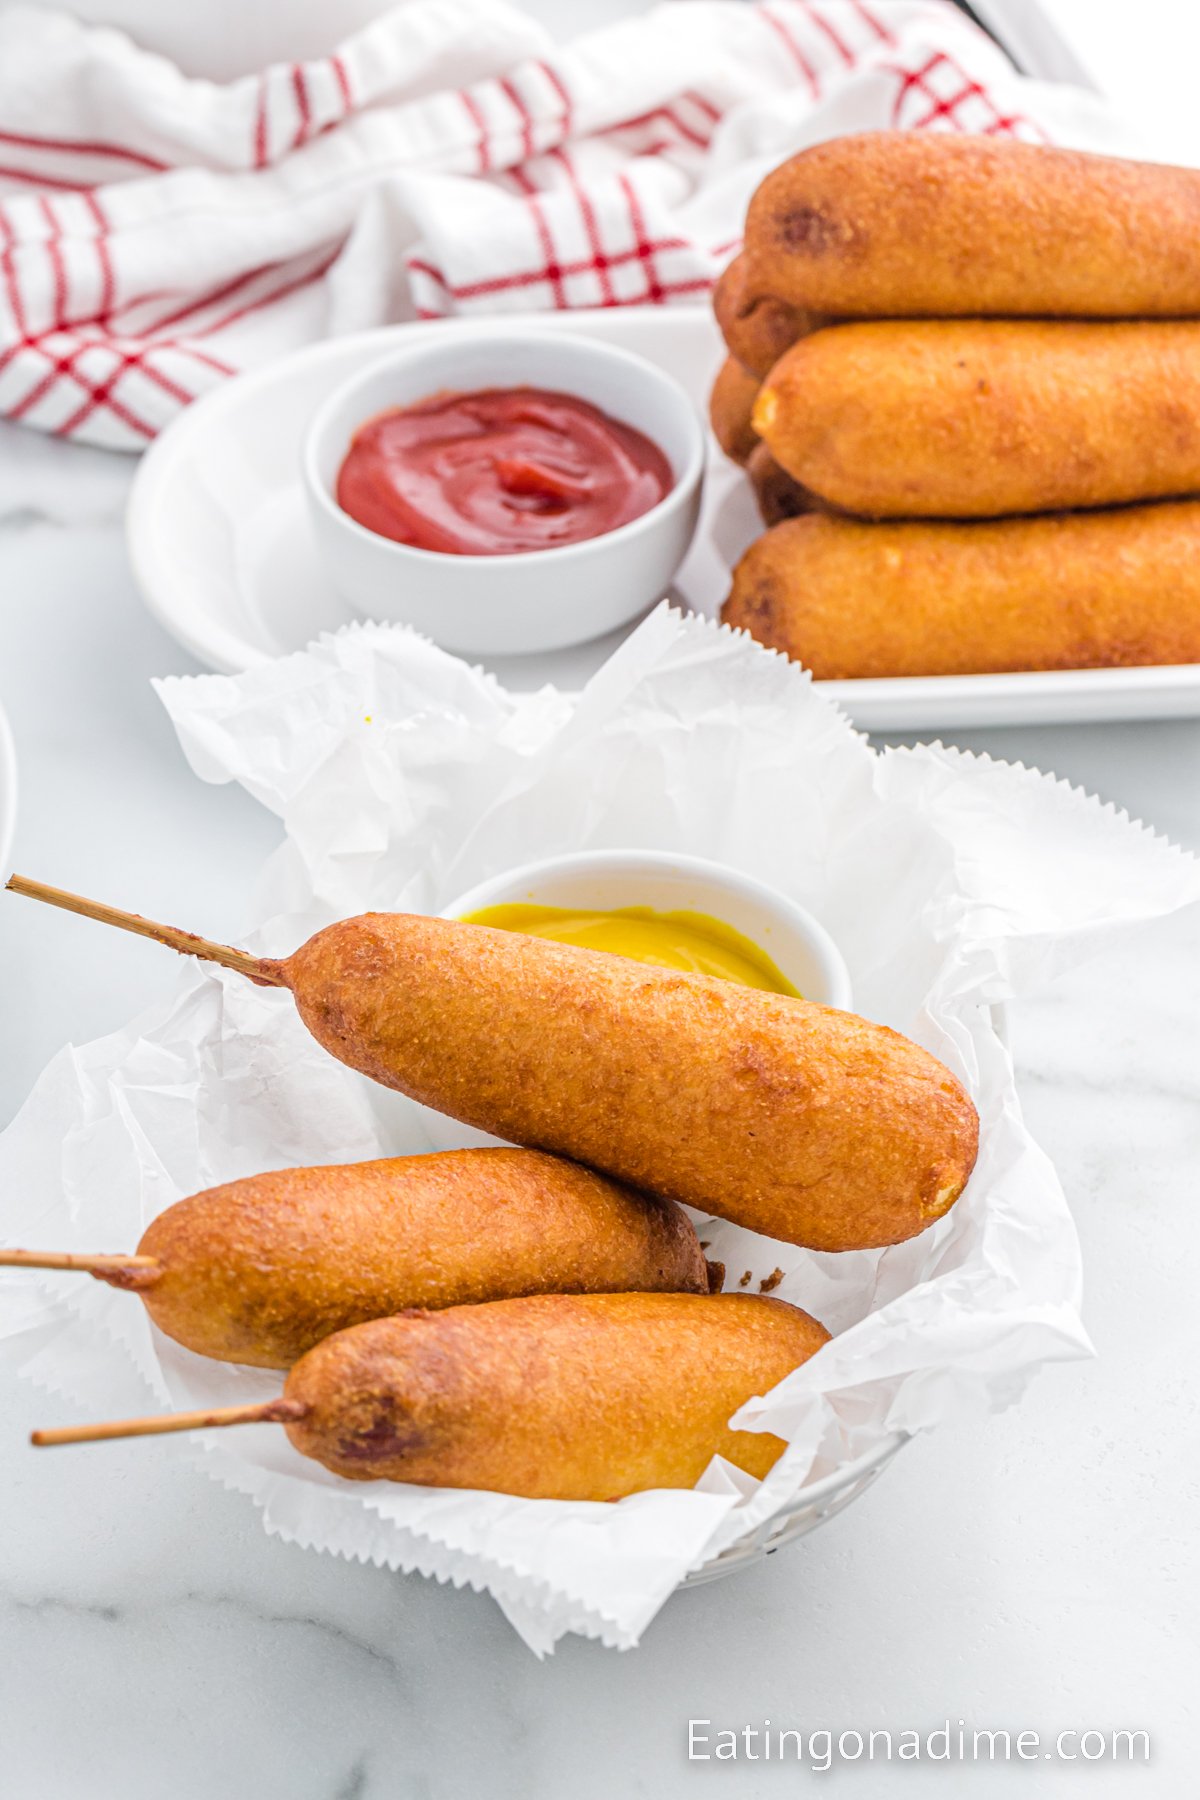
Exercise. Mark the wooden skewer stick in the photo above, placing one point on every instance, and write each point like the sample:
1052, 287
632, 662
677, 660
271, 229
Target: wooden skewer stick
135, 1271
186, 942
266, 1412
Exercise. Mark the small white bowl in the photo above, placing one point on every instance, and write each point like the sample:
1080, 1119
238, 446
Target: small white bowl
800, 948
538, 599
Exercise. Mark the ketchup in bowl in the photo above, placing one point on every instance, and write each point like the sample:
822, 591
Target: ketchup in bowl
498, 472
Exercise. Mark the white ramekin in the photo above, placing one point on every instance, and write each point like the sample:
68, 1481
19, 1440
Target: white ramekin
539, 599
800, 948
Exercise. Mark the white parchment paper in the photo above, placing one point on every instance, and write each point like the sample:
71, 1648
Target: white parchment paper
401, 777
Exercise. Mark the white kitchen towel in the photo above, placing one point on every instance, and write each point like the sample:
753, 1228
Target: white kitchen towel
158, 234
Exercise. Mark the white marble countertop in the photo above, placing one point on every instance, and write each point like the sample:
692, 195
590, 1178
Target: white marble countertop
1038, 1571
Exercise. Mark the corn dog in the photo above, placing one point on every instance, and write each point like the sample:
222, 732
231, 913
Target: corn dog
778, 494
554, 1397
1063, 591
976, 418
903, 224
259, 1270
729, 407
757, 328
586, 1398
808, 1124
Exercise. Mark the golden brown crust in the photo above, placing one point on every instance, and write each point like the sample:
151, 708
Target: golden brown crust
260, 1270
903, 224
729, 407
1066, 591
553, 1397
811, 1125
978, 418
779, 495
757, 329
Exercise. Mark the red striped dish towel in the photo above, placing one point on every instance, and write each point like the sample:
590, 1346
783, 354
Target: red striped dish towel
158, 234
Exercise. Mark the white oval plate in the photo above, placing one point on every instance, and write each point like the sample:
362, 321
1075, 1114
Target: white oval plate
222, 550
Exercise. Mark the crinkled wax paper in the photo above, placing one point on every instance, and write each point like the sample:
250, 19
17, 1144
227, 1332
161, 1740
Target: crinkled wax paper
401, 777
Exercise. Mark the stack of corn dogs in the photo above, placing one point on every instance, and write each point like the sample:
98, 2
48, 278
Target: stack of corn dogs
964, 376
509, 1319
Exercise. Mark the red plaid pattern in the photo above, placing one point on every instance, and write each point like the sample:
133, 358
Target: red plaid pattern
298, 102
108, 327
939, 95
605, 255
86, 378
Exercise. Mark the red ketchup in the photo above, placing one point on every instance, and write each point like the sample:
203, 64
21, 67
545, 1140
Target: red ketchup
498, 472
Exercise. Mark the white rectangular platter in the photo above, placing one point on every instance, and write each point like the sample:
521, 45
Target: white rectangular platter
222, 551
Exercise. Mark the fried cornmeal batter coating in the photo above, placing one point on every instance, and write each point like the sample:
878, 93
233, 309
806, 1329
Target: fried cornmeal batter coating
779, 495
552, 1398
977, 418
900, 224
729, 407
259, 1270
811, 1125
851, 599
757, 328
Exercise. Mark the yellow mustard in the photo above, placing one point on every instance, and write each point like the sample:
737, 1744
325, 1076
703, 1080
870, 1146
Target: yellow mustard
674, 940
